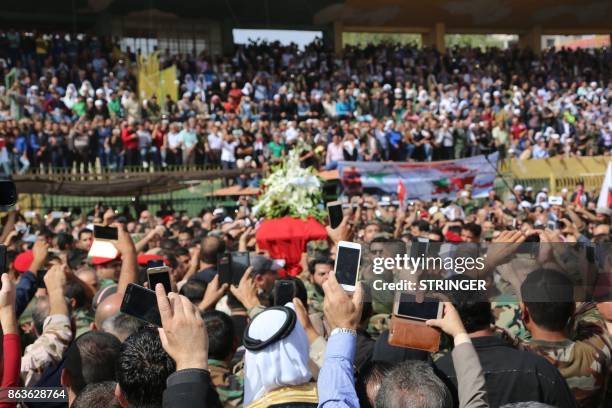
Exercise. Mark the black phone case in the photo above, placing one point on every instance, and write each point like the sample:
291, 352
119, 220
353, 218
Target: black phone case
281, 301
334, 221
238, 269
152, 315
225, 272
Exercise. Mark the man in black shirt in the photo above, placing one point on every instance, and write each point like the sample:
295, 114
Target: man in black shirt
511, 375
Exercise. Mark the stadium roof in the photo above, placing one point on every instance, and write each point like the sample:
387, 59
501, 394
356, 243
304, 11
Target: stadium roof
553, 16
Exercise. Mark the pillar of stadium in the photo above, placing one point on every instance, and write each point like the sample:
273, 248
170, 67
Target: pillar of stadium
434, 36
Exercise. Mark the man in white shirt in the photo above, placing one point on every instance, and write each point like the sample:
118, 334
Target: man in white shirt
228, 152
335, 153
175, 146
215, 142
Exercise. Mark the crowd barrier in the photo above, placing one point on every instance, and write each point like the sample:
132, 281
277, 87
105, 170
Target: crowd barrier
554, 174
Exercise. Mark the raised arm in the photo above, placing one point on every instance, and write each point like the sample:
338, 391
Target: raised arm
470, 379
336, 382
11, 350
129, 264
50, 346
184, 337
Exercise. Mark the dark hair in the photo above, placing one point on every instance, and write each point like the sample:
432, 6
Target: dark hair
185, 230
98, 395
76, 257
143, 367
413, 384
474, 228
74, 290
371, 374
549, 298
221, 334
40, 313
422, 225
122, 325
85, 231
64, 240
181, 251
91, 358
473, 306
168, 245
437, 231
193, 290
317, 261
212, 247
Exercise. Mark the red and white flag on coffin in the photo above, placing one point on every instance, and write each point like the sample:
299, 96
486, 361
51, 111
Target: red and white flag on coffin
605, 195
401, 193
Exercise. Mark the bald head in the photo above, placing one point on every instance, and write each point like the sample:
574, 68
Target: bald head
211, 247
107, 308
601, 229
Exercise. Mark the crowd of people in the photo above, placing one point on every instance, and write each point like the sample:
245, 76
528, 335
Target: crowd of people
227, 345
72, 102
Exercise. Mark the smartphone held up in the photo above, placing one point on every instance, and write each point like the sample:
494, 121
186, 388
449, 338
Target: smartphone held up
159, 274
103, 242
348, 258
334, 211
408, 328
141, 303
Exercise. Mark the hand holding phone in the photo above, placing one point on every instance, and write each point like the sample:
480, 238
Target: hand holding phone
342, 309
183, 335
284, 292
346, 268
141, 303
159, 274
106, 233
239, 262
408, 307
408, 323
224, 271
103, 242
334, 211
451, 323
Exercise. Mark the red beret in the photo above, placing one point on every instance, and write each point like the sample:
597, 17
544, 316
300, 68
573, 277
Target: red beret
100, 260
143, 259
452, 237
23, 261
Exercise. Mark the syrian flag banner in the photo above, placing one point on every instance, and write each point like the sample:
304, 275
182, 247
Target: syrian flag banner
428, 180
605, 195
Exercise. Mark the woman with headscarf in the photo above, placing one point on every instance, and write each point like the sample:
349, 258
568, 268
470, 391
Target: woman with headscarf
71, 96
190, 84
87, 90
276, 362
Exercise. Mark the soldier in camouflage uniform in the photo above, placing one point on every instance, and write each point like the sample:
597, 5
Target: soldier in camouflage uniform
583, 353
83, 318
317, 253
319, 269
230, 386
507, 315
221, 354
317, 249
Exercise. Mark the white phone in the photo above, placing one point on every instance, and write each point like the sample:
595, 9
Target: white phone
348, 257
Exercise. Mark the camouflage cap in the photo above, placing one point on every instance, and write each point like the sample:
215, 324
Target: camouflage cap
317, 249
